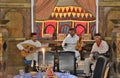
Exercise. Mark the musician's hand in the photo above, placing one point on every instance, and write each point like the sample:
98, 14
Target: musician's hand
94, 51
26, 50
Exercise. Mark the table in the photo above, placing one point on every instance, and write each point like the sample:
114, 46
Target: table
39, 75
26, 75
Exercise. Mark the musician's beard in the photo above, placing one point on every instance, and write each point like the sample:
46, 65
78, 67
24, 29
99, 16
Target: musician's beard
35, 40
72, 35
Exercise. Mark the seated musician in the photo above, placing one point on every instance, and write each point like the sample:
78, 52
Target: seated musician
79, 46
100, 47
33, 56
69, 43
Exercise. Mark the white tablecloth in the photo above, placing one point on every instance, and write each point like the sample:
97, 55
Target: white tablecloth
39, 75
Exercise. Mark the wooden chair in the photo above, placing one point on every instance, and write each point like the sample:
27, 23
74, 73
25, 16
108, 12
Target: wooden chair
100, 67
107, 70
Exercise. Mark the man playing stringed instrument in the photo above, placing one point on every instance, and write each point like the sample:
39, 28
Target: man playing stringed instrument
29, 49
69, 43
100, 47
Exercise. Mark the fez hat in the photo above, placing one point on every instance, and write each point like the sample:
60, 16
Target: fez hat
33, 34
97, 34
71, 29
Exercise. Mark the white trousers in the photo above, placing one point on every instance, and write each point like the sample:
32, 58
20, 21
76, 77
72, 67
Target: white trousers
77, 54
87, 63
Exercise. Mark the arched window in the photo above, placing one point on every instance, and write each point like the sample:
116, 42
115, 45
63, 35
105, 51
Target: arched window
80, 27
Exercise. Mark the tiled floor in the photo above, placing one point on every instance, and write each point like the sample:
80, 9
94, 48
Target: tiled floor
80, 68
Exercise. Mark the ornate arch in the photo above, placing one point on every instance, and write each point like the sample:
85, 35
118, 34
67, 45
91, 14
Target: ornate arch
22, 17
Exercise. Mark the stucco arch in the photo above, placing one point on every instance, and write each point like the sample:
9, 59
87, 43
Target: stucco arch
19, 22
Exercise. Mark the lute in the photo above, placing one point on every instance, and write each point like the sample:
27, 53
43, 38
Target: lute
31, 49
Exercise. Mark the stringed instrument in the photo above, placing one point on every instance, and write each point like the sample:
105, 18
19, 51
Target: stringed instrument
31, 49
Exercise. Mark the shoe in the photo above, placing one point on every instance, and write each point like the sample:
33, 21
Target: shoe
87, 77
76, 65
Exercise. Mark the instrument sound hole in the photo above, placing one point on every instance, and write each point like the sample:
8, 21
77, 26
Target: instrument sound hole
31, 49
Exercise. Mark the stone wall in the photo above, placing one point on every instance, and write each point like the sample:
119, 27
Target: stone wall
19, 26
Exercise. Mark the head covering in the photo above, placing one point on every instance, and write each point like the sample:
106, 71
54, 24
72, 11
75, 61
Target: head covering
97, 34
33, 34
71, 29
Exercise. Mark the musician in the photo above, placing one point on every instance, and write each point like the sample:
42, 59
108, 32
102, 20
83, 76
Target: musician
79, 46
69, 43
100, 47
33, 41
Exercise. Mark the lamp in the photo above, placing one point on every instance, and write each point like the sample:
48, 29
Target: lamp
3, 22
116, 22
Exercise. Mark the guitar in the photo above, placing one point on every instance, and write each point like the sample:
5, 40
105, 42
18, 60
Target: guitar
31, 49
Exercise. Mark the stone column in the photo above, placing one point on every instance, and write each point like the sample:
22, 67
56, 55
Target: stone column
3, 46
116, 45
